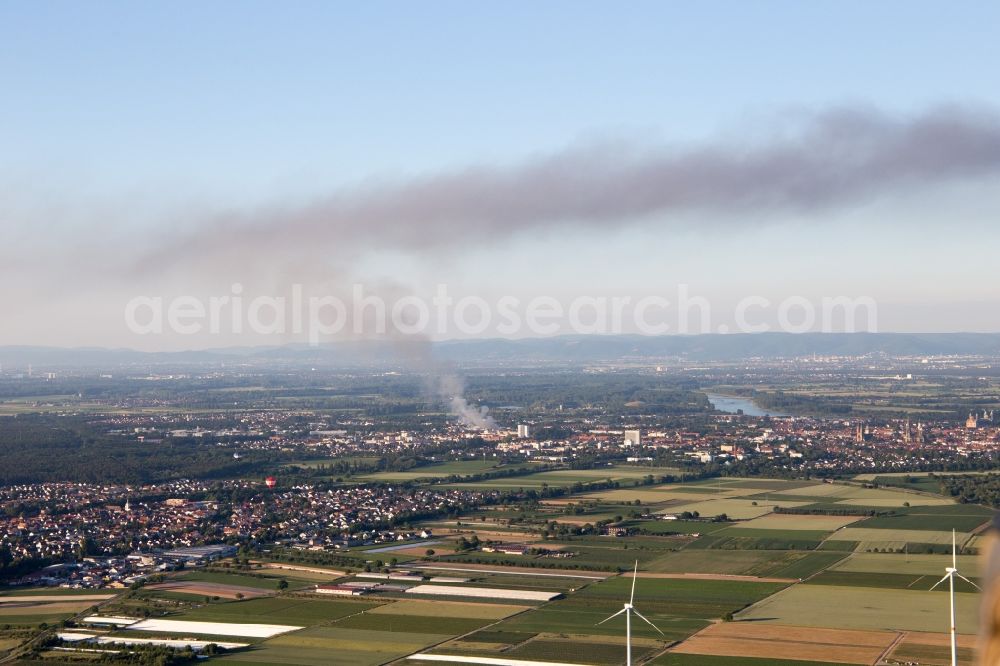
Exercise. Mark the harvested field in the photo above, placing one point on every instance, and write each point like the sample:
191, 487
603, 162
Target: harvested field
44, 608
210, 589
933, 649
742, 639
35, 598
299, 567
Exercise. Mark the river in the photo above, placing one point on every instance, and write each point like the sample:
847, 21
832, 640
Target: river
732, 404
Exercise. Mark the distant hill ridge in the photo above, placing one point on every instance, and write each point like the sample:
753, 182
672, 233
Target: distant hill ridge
570, 348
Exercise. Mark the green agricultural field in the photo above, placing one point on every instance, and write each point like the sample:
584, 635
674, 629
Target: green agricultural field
803, 565
289, 610
312, 463
737, 562
886, 580
844, 491
230, 579
676, 526
739, 509
437, 471
679, 607
901, 501
767, 540
352, 647
645, 494
892, 538
463, 609
416, 624
777, 534
497, 637
899, 563
865, 608
611, 556
568, 477
762, 563
920, 521
960, 517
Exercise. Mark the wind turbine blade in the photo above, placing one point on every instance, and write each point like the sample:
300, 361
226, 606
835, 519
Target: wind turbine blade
648, 622
940, 581
954, 557
612, 617
968, 581
634, 576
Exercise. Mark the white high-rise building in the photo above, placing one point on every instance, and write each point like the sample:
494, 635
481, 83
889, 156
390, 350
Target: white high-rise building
523, 431
633, 438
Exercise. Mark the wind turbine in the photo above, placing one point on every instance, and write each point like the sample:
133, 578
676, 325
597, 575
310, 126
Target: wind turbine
628, 610
952, 571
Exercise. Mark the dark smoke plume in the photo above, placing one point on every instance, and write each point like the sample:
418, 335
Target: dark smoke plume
830, 159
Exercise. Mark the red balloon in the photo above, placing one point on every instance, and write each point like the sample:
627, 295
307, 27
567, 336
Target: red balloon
271, 481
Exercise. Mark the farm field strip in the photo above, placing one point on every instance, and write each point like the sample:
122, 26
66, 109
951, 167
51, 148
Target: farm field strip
899, 563
882, 609
486, 569
788, 642
36, 598
65, 606
460, 609
778, 521
878, 535
210, 589
739, 509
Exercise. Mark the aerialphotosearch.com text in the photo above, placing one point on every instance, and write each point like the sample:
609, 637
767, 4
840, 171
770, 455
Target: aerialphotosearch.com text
364, 313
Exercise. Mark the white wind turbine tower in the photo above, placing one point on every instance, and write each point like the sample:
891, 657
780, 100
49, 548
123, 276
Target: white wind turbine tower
628, 610
952, 571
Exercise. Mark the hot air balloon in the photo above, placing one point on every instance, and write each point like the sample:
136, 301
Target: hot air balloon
271, 481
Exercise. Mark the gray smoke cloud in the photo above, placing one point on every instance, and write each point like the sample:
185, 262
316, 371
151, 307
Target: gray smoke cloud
810, 163
819, 161
453, 387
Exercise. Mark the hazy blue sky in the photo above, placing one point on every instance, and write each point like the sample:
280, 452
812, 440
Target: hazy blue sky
136, 133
